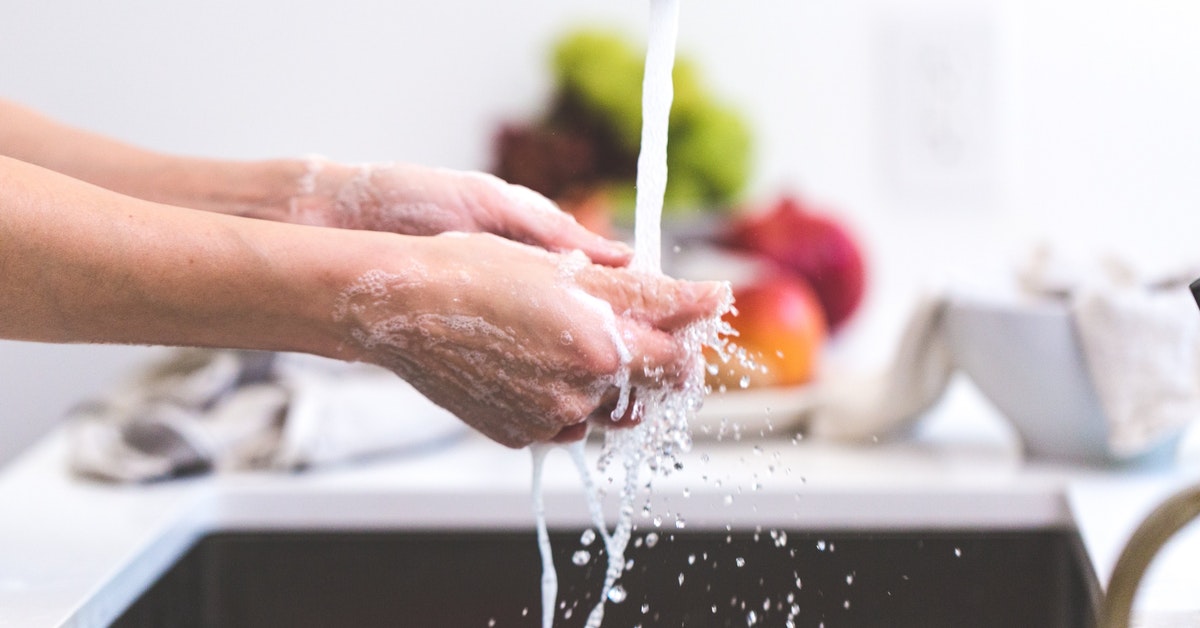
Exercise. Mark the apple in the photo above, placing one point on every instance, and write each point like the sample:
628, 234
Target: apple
813, 245
781, 326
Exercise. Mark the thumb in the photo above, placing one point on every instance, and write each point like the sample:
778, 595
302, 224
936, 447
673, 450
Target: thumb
656, 300
540, 222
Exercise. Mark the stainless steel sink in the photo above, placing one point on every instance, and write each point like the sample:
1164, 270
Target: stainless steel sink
1021, 579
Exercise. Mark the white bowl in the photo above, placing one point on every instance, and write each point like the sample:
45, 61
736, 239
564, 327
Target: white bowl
1026, 359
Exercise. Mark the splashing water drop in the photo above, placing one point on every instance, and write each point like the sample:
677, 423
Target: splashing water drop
581, 557
617, 594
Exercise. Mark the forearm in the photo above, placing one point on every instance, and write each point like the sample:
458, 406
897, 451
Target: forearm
260, 188
82, 264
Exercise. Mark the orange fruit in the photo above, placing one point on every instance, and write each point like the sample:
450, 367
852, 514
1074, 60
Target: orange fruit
781, 326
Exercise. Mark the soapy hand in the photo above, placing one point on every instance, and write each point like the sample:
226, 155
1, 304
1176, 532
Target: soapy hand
417, 200
523, 344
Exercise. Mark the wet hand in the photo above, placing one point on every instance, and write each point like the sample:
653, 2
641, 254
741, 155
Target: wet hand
417, 200
523, 344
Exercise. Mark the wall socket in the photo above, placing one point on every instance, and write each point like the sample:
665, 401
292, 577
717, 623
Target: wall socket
937, 99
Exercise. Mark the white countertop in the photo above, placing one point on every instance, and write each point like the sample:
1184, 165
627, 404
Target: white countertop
75, 552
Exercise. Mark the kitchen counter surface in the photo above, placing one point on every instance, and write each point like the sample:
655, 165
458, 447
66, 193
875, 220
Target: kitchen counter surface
75, 552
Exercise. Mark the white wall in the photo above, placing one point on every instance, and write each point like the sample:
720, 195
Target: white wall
1079, 119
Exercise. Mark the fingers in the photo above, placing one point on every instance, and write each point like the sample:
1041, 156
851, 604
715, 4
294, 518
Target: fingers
537, 220
659, 301
656, 357
564, 234
602, 416
571, 433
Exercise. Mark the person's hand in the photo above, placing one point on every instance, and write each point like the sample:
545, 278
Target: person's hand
417, 200
520, 343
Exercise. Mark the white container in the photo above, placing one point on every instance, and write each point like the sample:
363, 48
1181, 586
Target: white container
1026, 359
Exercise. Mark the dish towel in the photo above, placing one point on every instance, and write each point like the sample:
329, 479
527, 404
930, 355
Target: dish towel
201, 409
888, 403
1139, 333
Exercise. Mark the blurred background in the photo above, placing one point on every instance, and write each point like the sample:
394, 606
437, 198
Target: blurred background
950, 136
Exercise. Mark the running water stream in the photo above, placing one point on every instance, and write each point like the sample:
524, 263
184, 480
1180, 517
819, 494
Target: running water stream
655, 444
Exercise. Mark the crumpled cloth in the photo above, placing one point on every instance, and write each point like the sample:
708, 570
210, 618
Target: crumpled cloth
215, 410
1139, 332
888, 403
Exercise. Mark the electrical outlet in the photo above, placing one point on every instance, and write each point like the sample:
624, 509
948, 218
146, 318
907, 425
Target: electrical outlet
937, 100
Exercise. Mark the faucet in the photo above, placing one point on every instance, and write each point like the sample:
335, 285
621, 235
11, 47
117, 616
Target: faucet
1154, 532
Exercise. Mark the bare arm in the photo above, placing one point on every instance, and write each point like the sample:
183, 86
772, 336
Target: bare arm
400, 198
79, 263
521, 343
231, 187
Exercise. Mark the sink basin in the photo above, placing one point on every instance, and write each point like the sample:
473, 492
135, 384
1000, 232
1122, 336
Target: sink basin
1018, 578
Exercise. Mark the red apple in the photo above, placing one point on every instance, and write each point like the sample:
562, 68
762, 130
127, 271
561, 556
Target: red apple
813, 245
781, 326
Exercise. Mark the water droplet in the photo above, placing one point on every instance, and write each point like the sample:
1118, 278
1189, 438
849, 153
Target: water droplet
820, 546
617, 594
491, 622
744, 382
681, 578
751, 618
680, 523
657, 521
728, 500
691, 559
525, 612
645, 608
958, 552
651, 539
581, 557
588, 537
849, 578
846, 604
799, 584
741, 562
